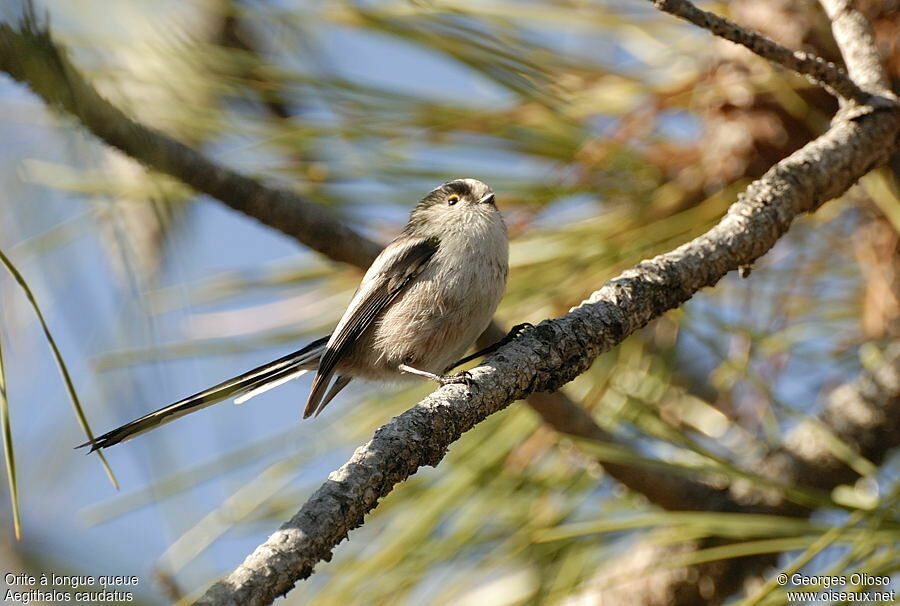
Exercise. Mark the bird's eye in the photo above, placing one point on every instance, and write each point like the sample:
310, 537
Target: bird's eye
452, 199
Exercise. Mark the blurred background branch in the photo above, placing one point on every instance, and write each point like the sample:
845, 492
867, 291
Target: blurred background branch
824, 453
31, 56
822, 72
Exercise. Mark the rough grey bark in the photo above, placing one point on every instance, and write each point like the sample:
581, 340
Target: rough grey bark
854, 37
558, 350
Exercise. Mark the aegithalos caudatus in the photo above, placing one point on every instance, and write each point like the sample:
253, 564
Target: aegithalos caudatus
420, 306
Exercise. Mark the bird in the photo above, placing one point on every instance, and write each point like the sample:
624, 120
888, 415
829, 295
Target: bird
422, 303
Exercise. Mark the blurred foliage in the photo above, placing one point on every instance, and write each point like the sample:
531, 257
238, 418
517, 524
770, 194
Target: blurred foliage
611, 133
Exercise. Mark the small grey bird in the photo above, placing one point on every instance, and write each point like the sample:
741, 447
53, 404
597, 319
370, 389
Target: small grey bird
420, 306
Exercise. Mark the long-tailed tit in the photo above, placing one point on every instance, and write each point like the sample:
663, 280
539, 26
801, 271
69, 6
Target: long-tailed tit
420, 306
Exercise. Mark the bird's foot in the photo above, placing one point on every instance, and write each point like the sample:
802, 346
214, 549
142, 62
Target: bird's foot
460, 378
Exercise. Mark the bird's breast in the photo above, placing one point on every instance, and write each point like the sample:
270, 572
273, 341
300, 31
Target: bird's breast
439, 316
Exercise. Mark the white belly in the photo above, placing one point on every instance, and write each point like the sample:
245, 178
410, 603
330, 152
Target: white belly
439, 316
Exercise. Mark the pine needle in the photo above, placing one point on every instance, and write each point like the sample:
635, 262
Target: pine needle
60, 363
8, 451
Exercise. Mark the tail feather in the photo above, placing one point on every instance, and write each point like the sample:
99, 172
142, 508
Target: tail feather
270, 385
336, 388
249, 384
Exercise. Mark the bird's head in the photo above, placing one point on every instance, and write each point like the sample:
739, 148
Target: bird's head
455, 204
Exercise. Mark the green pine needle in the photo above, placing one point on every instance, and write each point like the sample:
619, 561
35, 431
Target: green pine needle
8, 451
60, 363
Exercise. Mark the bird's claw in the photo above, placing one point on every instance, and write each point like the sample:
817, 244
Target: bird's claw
460, 378
520, 329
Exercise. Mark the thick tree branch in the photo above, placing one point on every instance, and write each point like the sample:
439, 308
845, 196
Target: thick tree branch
822, 72
556, 351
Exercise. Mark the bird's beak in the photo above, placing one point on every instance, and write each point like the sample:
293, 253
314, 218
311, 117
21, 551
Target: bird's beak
488, 199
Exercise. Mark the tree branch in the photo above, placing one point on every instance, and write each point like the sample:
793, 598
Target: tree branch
558, 350
854, 37
822, 72
567, 417
33, 58
863, 416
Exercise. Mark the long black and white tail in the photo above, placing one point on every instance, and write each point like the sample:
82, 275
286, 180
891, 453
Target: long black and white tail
242, 388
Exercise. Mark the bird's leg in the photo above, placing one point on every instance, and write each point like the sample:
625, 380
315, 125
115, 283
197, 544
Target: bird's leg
460, 377
514, 332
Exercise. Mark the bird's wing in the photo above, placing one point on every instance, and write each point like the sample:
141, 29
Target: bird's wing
391, 273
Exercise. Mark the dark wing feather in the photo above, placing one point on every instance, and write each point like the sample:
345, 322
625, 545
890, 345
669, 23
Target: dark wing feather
398, 273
